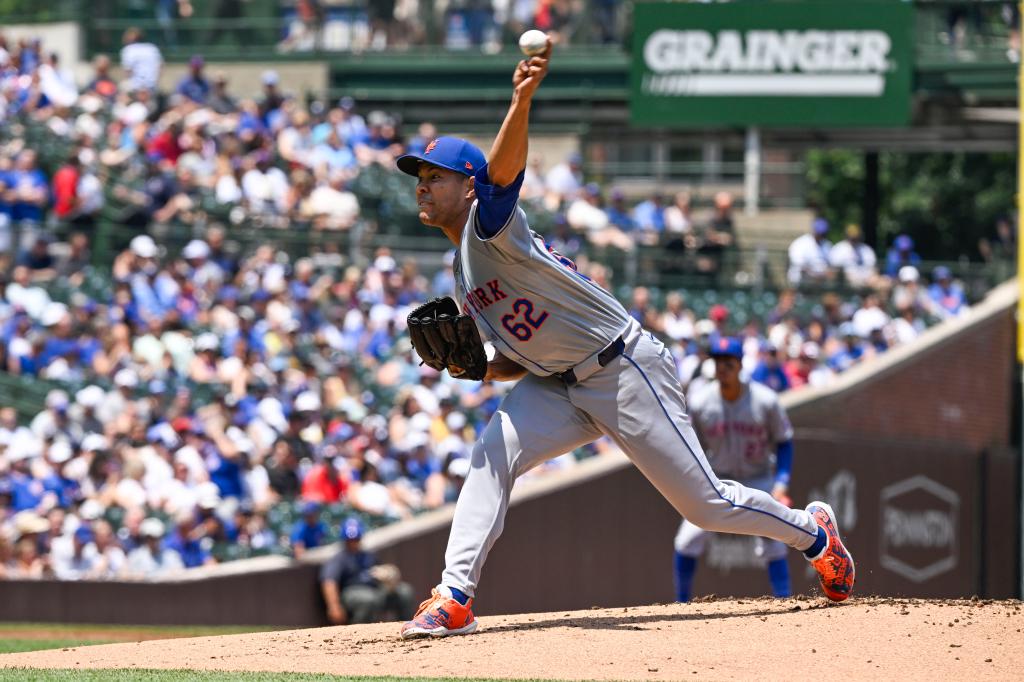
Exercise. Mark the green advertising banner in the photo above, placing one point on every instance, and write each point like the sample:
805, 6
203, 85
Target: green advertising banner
807, 63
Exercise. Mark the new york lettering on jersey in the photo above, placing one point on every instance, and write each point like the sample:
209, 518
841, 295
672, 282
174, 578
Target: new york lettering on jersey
741, 436
530, 300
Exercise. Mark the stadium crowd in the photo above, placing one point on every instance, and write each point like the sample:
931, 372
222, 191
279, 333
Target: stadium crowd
214, 401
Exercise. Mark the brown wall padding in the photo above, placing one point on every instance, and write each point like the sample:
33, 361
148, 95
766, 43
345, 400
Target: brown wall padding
286, 596
914, 461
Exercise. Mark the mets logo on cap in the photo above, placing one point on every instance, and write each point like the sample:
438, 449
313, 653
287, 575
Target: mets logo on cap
430, 147
723, 343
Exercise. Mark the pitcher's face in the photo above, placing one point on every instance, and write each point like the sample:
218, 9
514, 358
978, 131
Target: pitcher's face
442, 196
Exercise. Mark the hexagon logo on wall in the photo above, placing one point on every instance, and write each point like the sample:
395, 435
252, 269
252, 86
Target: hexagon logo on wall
919, 528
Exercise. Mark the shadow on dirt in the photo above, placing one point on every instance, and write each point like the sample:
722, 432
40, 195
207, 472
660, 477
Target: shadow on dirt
635, 622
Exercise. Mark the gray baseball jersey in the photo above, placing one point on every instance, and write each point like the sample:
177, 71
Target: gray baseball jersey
546, 316
740, 436
530, 301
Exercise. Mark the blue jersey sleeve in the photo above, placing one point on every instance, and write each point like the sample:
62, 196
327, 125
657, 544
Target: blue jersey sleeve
784, 462
495, 203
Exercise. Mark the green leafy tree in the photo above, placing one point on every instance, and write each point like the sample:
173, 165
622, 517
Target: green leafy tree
945, 201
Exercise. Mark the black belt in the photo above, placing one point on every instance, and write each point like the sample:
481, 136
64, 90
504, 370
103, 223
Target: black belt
613, 351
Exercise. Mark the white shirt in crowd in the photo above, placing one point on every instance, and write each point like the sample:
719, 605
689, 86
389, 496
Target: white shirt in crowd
676, 221
867, 320
142, 61
143, 563
808, 256
67, 566
856, 259
32, 299
265, 191
563, 181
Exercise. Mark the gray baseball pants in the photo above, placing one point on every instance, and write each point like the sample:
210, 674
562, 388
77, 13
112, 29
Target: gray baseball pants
636, 401
691, 538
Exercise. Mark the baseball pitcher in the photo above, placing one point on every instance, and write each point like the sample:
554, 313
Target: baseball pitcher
744, 428
584, 369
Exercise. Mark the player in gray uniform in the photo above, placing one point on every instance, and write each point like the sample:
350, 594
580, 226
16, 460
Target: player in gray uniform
584, 368
749, 439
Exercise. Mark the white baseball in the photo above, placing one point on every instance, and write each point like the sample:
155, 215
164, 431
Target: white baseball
533, 42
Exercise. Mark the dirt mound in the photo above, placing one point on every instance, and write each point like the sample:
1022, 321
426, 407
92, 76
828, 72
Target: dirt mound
712, 639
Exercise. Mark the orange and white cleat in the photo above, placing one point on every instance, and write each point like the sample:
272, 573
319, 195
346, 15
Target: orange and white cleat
440, 616
834, 564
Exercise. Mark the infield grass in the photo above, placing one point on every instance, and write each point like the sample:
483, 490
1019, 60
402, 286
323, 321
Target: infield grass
18, 637
13, 646
11, 629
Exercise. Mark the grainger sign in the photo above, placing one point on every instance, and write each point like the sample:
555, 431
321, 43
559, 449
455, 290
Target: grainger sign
779, 63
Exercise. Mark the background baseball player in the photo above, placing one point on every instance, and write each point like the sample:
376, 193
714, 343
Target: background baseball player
585, 369
747, 434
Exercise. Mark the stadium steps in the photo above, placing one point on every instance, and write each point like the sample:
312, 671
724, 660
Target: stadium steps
767, 236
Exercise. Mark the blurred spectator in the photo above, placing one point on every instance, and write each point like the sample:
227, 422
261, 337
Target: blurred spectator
57, 83
854, 258
150, 559
38, 260
272, 97
304, 31
26, 562
619, 215
565, 180
870, 318
902, 253
324, 483
677, 323
806, 369
194, 84
309, 531
110, 558
718, 235
908, 293
947, 295
102, 83
141, 60
1001, 247
218, 99
75, 556
851, 351
28, 189
586, 215
769, 371
649, 216
678, 218
357, 589
809, 255
187, 540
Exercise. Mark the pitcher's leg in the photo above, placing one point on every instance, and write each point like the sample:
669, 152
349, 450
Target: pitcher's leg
535, 422
637, 401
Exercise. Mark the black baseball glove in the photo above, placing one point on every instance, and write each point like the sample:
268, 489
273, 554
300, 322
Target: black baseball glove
447, 339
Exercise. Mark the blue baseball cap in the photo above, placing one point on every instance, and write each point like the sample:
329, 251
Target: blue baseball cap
904, 243
311, 507
352, 529
452, 153
942, 272
820, 226
727, 346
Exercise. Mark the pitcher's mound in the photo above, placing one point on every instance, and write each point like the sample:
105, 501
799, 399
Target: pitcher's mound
877, 638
